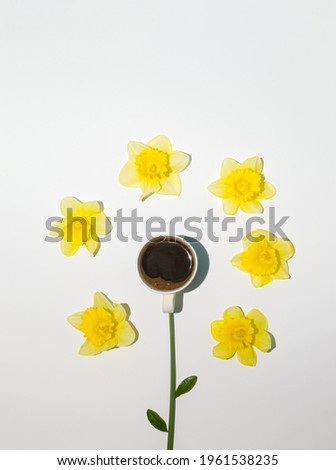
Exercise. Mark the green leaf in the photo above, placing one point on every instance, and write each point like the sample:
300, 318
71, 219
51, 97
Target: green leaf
156, 421
186, 385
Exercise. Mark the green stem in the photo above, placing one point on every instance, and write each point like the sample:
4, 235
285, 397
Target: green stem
172, 400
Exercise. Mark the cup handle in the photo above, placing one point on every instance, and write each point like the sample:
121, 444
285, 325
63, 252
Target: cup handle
168, 304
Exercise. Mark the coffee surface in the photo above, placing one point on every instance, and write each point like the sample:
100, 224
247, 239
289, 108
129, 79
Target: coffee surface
166, 264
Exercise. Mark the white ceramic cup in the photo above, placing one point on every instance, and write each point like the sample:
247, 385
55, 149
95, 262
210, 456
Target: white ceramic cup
169, 296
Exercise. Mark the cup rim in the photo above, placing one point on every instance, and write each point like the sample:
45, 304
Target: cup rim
192, 276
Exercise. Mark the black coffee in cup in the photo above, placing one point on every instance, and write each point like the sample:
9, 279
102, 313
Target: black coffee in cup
166, 263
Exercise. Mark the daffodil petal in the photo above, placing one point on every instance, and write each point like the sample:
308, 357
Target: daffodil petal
228, 165
69, 248
110, 344
76, 319
101, 224
161, 142
129, 176
88, 349
285, 248
217, 188
263, 341
134, 148
258, 318
93, 245
91, 208
217, 329
125, 334
246, 242
119, 313
230, 206
247, 356
233, 312
222, 351
282, 272
237, 262
268, 191
178, 161
148, 189
70, 203
252, 207
101, 300
260, 281
254, 163
171, 185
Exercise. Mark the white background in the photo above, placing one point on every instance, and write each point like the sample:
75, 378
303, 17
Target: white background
79, 79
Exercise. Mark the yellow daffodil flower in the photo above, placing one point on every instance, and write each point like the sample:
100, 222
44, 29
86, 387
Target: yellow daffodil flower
238, 333
105, 326
154, 167
82, 223
242, 185
264, 257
